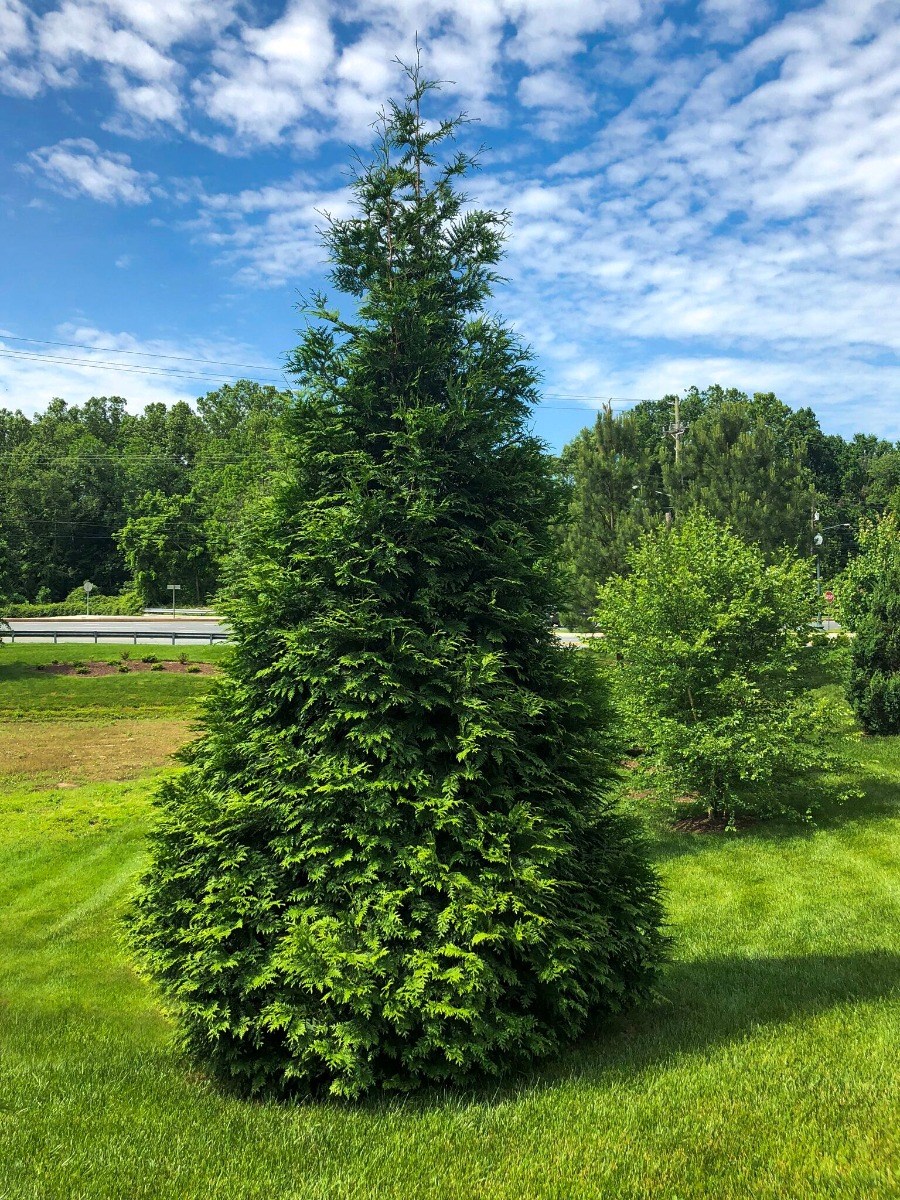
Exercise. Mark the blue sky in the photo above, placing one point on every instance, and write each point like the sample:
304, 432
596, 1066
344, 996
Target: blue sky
701, 193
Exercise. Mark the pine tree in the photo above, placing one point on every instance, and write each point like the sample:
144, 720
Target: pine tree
614, 494
391, 858
741, 468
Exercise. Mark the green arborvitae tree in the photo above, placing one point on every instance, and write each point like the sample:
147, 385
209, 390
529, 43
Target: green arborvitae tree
870, 605
391, 858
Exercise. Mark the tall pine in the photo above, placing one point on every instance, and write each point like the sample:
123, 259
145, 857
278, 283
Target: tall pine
391, 858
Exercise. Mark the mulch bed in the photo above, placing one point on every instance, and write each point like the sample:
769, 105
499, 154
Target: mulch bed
709, 824
89, 667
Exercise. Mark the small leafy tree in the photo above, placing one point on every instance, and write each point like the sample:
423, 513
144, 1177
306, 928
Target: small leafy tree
392, 858
706, 641
163, 541
869, 594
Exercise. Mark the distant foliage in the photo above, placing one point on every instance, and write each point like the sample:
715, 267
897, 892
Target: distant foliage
703, 643
72, 478
392, 858
869, 595
128, 603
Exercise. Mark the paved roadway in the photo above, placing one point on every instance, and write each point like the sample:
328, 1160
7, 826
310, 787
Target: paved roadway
130, 630
146, 630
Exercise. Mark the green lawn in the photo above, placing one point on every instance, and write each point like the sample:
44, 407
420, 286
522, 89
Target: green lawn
768, 1069
27, 693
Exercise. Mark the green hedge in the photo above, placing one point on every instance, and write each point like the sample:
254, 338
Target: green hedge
127, 604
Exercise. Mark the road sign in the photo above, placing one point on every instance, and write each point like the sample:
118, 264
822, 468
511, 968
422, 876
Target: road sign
88, 586
173, 588
829, 596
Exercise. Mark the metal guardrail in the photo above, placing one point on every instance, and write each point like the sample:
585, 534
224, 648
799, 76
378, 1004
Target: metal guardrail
80, 635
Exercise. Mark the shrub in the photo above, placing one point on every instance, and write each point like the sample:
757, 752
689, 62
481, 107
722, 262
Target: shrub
870, 601
149, 658
126, 604
157, 667
707, 642
392, 858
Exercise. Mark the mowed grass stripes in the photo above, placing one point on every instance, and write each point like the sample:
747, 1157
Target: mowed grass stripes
768, 1068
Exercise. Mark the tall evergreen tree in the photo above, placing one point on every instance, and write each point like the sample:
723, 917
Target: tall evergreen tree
615, 485
742, 469
391, 858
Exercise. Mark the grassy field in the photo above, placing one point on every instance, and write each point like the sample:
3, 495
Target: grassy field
27, 693
768, 1069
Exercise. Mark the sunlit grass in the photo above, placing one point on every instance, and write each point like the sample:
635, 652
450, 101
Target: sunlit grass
768, 1068
27, 693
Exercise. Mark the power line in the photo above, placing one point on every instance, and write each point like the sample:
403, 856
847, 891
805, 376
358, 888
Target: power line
128, 369
270, 373
216, 362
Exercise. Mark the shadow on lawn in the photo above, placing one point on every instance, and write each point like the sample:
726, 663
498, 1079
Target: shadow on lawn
707, 1003
703, 1005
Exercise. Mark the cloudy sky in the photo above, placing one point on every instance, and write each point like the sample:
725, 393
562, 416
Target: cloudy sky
701, 193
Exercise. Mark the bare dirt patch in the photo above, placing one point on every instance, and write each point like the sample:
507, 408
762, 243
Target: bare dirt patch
125, 666
66, 753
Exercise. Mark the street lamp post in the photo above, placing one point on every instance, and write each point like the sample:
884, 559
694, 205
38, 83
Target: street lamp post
818, 540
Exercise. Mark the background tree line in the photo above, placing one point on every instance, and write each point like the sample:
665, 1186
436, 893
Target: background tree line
136, 501
130, 501
749, 461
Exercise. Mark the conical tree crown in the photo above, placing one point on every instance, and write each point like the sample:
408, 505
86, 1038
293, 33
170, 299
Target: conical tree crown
390, 858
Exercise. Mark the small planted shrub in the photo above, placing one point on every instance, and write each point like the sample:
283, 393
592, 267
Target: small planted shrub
149, 658
183, 658
704, 643
193, 670
157, 667
82, 671
124, 669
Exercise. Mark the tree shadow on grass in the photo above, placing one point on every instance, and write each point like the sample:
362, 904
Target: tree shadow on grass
706, 1003
703, 1005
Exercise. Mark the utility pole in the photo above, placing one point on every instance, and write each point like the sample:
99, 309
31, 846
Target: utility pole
676, 431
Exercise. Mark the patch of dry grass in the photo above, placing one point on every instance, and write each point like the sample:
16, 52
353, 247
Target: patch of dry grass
59, 753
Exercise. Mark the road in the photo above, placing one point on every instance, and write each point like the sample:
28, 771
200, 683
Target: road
147, 631
140, 631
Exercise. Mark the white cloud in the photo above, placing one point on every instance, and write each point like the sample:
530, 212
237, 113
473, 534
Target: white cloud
736, 210
117, 363
77, 166
270, 234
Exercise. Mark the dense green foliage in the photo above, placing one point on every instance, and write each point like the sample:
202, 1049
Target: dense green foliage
127, 603
870, 605
392, 859
750, 461
706, 641
95, 492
